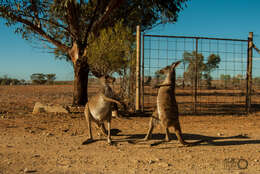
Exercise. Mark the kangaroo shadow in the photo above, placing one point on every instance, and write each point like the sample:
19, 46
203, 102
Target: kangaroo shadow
205, 140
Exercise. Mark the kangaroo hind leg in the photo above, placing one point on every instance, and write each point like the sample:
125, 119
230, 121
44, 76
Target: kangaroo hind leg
179, 134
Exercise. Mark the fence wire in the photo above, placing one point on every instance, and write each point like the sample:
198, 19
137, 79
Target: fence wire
215, 88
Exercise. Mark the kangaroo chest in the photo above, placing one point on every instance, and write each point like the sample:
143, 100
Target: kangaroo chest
101, 109
166, 102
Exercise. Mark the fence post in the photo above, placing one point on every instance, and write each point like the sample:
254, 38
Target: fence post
196, 78
249, 72
142, 103
137, 86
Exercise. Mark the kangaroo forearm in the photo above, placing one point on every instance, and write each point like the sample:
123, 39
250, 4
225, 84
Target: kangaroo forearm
111, 100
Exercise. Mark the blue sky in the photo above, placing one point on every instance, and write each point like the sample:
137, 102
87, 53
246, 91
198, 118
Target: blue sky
208, 18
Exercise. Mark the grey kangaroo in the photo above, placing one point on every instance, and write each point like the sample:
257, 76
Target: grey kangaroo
99, 108
166, 111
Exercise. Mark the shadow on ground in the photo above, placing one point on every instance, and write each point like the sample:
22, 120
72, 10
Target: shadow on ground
157, 139
206, 140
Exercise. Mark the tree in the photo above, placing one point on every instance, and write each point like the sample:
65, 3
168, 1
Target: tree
225, 78
236, 80
211, 65
256, 81
38, 78
5, 80
50, 78
111, 50
65, 26
190, 58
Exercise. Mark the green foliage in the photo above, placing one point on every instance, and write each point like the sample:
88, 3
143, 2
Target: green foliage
190, 58
111, 51
211, 65
40, 78
203, 69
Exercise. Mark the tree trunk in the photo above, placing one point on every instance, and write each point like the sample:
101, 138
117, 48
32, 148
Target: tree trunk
80, 92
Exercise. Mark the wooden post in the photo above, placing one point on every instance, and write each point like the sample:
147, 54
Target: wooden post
249, 72
142, 103
195, 79
137, 86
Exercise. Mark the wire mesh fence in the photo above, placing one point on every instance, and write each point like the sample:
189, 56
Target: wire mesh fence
212, 78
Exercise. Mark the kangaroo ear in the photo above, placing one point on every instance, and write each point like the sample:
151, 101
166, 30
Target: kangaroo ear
175, 64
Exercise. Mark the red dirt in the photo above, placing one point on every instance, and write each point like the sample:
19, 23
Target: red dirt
52, 143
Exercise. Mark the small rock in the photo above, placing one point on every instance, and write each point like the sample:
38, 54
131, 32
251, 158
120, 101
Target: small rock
48, 134
158, 159
256, 160
164, 164
137, 161
41, 108
65, 130
151, 161
31, 131
36, 155
220, 134
189, 156
26, 170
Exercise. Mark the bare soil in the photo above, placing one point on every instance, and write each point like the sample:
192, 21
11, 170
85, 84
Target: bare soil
52, 143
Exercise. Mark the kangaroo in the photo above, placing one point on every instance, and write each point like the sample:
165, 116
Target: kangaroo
166, 111
99, 108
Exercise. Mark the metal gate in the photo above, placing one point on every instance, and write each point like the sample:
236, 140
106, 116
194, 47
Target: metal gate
204, 85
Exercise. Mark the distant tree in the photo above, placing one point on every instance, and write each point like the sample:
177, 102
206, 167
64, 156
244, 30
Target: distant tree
15, 82
226, 79
190, 58
256, 81
212, 63
38, 78
5, 80
236, 80
50, 78
22, 81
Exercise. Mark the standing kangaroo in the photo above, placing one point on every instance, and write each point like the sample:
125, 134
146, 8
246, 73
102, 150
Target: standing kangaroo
99, 108
167, 108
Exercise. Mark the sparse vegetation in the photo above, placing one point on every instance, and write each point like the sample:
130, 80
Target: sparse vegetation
5, 80
226, 79
40, 78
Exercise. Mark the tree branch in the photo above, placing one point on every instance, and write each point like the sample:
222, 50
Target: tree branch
90, 24
95, 25
113, 4
72, 19
39, 31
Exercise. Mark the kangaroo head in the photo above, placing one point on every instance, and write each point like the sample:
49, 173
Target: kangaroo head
169, 71
105, 79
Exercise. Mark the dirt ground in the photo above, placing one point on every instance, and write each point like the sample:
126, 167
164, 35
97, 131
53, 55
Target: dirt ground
52, 143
